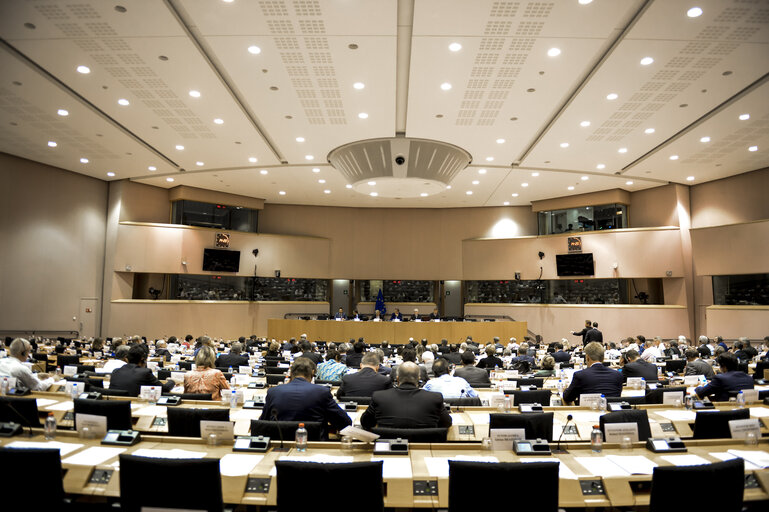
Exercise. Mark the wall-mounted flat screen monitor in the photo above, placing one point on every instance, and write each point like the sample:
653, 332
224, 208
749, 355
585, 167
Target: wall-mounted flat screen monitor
574, 264
218, 260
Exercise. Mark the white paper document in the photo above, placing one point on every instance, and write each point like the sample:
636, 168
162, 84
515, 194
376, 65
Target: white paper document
601, 466
395, 467
62, 406
755, 412
755, 457
676, 415
93, 456
633, 464
685, 460
586, 417
459, 419
44, 402
479, 418
64, 448
175, 453
728, 456
238, 464
150, 410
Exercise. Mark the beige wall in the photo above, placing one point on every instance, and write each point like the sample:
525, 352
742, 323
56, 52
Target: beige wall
736, 321
736, 249
52, 226
143, 203
653, 207
741, 198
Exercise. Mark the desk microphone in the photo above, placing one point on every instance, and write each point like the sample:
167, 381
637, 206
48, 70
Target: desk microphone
274, 417
24, 421
558, 446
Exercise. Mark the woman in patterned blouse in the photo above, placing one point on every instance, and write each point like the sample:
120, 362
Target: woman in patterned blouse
205, 378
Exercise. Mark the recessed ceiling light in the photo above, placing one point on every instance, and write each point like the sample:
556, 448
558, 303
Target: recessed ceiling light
585, 178
62, 112
254, 50
372, 183
524, 185
506, 203
252, 159
83, 69
673, 157
622, 150
535, 174
169, 180
218, 121
571, 187
612, 96
564, 144
690, 178
359, 85
446, 86
753, 148
469, 192
83, 160
282, 192
553, 52
448, 187
600, 166
584, 124
263, 171
455, 47
423, 194
481, 171
585, 2
348, 186
180, 147
152, 168
195, 94
124, 102
500, 141
309, 157
646, 61
52, 144
694, 12
199, 164
327, 191
110, 174
228, 1
363, 115
514, 194
705, 139
744, 117
489, 158
321, 181
316, 169
373, 194
628, 183
649, 130
300, 139
476, 182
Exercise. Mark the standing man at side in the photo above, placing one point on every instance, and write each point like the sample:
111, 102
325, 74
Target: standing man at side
584, 330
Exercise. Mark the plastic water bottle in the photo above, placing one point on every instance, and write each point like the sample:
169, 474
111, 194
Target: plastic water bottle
740, 400
602, 403
233, 399
643, 383
50, 427
301, 438
4, 386
560, 386
75, 388
229, 370
596, 439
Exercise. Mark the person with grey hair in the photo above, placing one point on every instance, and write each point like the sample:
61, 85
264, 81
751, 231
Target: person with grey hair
365, 381
596, 378
120, 359
12, 366
406, 406
234, 359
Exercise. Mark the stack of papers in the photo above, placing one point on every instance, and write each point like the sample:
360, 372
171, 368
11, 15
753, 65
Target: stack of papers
685, 460
677, 415
62, 406
175, 453
93, 456
238, 464
395, 467
617, 465
64, 448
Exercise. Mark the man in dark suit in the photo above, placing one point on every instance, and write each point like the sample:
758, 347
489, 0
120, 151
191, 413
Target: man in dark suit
306, 348
416, 316
730, 379
637, 367
583, 332
300, 400
135, 374
353, 360
594, 334
406, 406
596, 378
435, 315
452, 354
476, 377
234, 359
396, 315
340, 315
365, 381
410, 354
696, 366
559, 355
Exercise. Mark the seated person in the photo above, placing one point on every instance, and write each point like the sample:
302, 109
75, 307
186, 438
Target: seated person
377, 316
353, 360
491, 360
523, 362
473, 375
406, 406
396, 315
365, 381
273, 350
696, 366
415, 316
300, 400
447, 385
135, 374
332, 369
548, 367
410, 355
205, 378
435, 315
307, 351
560, 355
596, 378
637, 367
162, 351
234, 359
120, 359
339, 315
730, 379
12, 366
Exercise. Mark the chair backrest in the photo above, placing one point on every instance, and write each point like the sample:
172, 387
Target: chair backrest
194, 396
19, 410
165, 483
541, 396
675, 365
185, 365
81, 368
528, 381
274, 370
62, 361
670, 482
301, 483
360, 400
113, 392
538, 425
186, 422
632, 400
34, 474
656, 396
415, 435
273, 380
467, 401
715, 424
538, 481
287, 429
760, 367
332, 382
639, 417
164, 374
118, 412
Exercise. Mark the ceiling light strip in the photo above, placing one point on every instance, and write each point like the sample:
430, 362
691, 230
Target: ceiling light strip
582, 83
196, 38
403, 63
697, 122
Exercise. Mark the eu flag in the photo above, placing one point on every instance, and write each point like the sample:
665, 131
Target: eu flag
380, 305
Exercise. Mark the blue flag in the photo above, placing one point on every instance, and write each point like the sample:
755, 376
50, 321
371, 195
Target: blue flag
380, 305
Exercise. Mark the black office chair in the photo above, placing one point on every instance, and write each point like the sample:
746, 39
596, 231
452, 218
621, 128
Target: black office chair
331, 382
541, 396
274, 380
760, 367
20, 410
192, 396
317, 478
639, 417
528, 381
715, 424
675, 365
538, 425
113, 392
468, 401
32, 474
285, 429
728, 478
62, 361
171, 479
274, 370
656, 396
415, 435
164, 374
186, 422
185, 365
273, 362
632, 400
82, 368
118, 412
360, 400
538, 481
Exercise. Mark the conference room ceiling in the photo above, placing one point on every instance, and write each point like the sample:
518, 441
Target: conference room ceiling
536, 120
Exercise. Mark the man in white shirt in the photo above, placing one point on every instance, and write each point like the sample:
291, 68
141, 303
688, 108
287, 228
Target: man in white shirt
445, 384
13, 366
121, 355
651, 352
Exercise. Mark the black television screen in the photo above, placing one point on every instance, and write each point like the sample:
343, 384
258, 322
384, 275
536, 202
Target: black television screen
217, 260
574, 264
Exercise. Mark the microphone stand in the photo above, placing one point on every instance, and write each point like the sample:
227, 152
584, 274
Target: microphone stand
274, 417
558, 449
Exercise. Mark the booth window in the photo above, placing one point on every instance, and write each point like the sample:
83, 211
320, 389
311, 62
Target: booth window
741, 290
396, 290
219, 216
566, 291
585, 218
